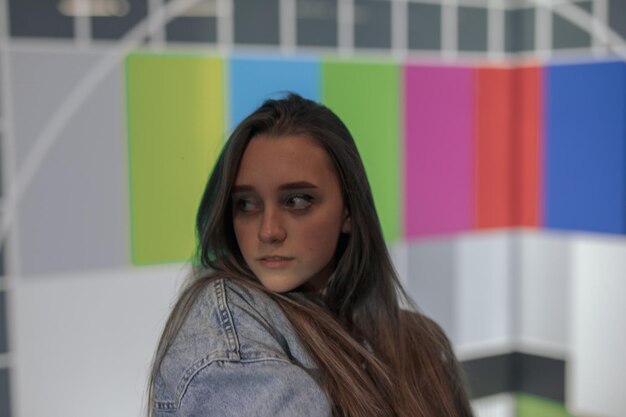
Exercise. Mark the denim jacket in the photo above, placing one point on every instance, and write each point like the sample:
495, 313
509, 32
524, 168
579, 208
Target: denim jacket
237, 354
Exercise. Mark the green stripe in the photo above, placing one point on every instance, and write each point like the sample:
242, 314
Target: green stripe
366, 96
532, 406
175, 131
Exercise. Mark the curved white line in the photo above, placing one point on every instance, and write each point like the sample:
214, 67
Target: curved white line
590, 23
83, 88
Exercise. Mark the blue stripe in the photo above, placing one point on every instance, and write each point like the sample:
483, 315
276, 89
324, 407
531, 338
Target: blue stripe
585, 145
255, 79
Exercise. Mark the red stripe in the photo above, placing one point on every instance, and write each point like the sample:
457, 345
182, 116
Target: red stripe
494, 148
528, 149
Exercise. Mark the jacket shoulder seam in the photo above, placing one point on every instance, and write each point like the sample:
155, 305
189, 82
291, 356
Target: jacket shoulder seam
226, 321
206, 362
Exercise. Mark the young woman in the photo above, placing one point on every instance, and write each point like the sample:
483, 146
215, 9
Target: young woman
294, 306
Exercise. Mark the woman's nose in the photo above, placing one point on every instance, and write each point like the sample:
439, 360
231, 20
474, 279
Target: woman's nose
272, 230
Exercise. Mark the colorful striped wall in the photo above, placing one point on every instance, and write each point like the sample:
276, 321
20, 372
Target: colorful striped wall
447, 149
503, 115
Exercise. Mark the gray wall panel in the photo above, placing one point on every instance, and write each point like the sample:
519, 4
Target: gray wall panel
5, 393
39, 18
2, 263
41, 81
4, 343
424, 26
192, 29
73, 216
566, 34
472, 29
617, 16
249, 14
516, 372
317, 22
431, 270
127, 14
372, 24
519, 30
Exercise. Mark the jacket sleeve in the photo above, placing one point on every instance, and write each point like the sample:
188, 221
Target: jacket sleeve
261, 388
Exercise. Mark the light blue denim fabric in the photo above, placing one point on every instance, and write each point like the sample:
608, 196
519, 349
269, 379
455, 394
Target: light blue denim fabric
237, 355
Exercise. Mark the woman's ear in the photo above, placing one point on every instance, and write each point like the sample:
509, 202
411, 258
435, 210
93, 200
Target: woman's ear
346, 227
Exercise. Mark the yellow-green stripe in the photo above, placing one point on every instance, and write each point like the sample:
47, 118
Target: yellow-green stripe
175, 131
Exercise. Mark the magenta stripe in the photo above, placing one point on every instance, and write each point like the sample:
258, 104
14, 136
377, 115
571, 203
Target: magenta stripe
439, 129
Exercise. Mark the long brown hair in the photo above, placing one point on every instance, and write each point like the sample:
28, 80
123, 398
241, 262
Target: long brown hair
375, 359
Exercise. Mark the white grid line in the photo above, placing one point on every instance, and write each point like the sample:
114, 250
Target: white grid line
543, 47
345, 23
11, 251
496, 30
10, 236
601, 22
585, 21
225, 24
543, 32
82, 24
518, 4
287, 25
155, 9
469, 3
399, 28
449, 29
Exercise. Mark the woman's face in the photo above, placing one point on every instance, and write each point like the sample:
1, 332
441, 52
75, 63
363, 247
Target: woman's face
288, 212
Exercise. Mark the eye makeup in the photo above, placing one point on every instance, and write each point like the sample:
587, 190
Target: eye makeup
299, 201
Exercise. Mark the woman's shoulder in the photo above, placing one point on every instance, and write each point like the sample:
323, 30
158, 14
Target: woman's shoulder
222, 324
261, 325
229, 320
229, 327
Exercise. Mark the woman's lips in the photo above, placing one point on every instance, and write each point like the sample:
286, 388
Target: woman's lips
274, 261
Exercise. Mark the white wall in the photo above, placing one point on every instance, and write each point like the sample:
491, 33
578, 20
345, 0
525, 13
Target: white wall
543, 290
597, 371
83, 343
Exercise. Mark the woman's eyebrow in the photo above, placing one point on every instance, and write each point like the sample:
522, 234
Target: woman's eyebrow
241, 188
287, 186
297, 185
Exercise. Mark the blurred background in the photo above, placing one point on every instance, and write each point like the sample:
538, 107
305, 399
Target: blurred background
493, 133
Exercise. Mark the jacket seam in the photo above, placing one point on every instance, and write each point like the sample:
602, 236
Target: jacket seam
226, 320
200, 365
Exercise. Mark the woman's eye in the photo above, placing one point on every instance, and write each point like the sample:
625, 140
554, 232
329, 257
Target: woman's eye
245, 205
299, 201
